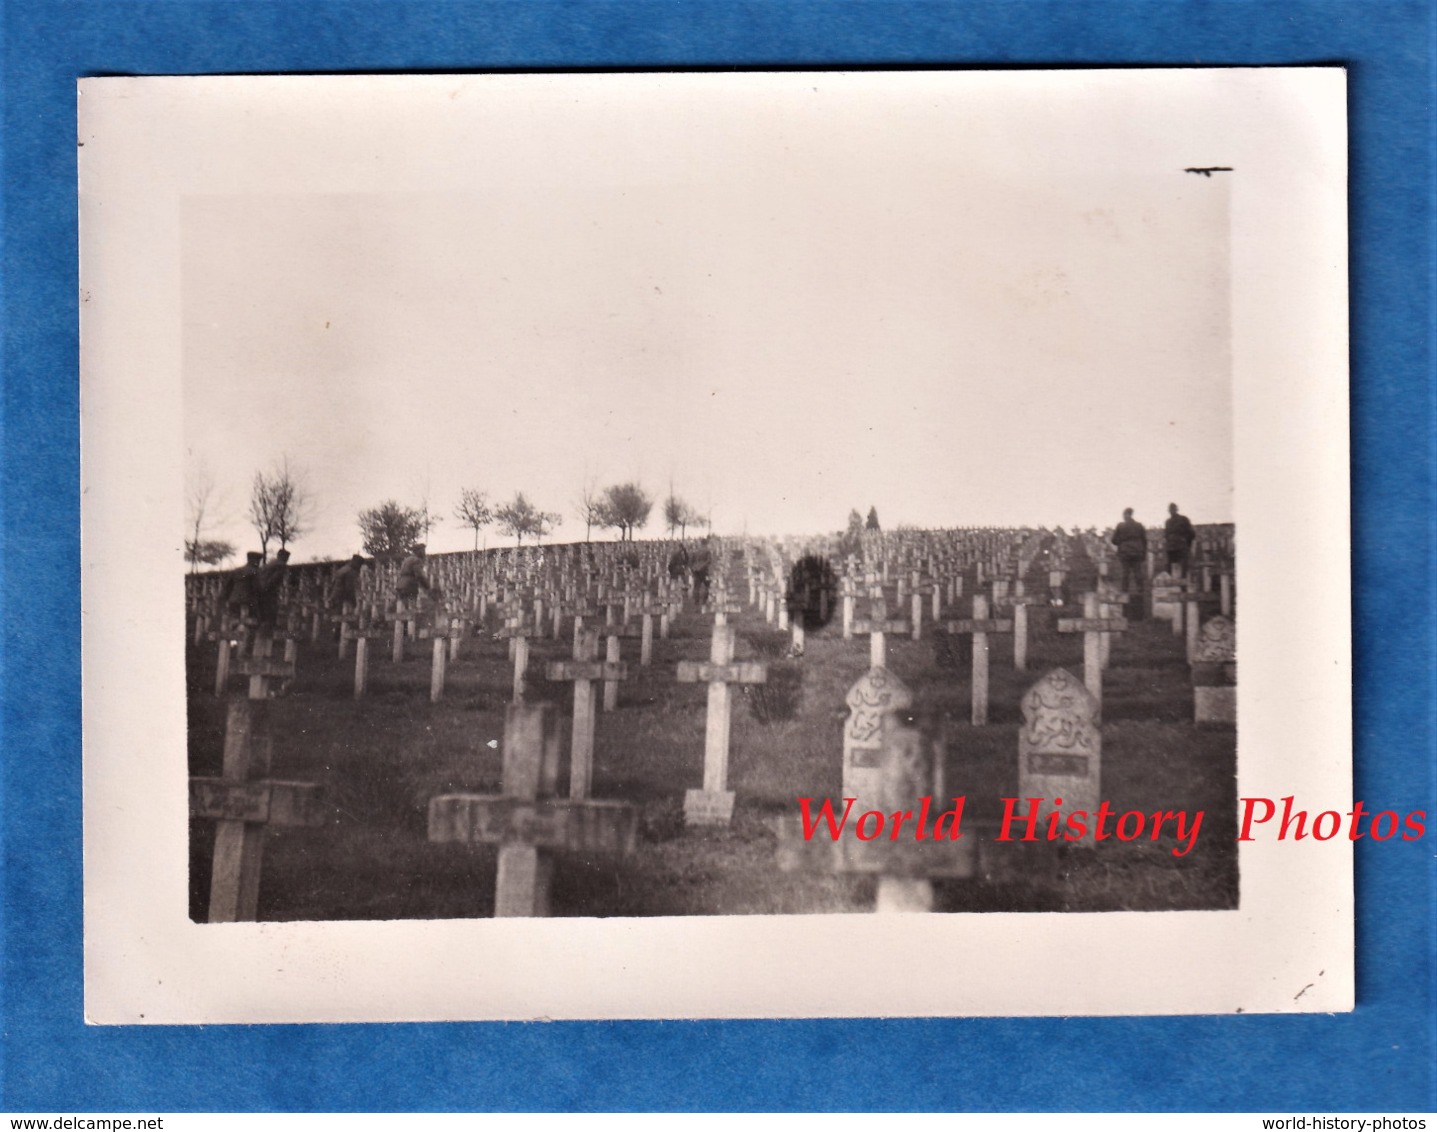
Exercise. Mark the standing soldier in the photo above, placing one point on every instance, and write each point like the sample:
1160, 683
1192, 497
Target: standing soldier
344, 586
700, 564
411, 579
1178, 537
238, 592
1131, 540
268, 584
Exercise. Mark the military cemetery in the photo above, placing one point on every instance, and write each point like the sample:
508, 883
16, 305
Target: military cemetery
520, 766
825, 449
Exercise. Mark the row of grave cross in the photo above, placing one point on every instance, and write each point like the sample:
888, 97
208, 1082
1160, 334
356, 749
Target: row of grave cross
1059, 757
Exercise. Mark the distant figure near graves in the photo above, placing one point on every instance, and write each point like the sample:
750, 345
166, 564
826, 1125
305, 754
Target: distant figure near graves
679, 564
811, 588
239, 588
411, 578
701, 563
1131, 540
1178, 537
344, 586
267, 585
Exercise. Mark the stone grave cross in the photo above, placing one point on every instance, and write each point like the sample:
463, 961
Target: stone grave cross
244, 800
527, 823
874, 626
713, 805
582, 672
979, 626
1093, 629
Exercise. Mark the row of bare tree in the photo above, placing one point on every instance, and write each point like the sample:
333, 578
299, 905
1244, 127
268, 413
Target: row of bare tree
281, 510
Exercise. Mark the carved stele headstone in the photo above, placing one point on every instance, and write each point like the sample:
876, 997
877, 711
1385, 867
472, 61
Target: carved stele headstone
876, 693
1215, 672
1060, 746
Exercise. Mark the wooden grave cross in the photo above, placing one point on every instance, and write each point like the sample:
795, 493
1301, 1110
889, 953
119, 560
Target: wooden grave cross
979, 626
526, 821
713, 804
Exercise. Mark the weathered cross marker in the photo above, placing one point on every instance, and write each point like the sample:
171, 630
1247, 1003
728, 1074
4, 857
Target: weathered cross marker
361, 638
244, 801
1092, 627
404, 622
979, 626
222, 663
721, 606
261, 669
526, 823
582, 671
1020, 633
647, 612
440, 633
874, 627
909, 771
713, 805
518, 631
612, 656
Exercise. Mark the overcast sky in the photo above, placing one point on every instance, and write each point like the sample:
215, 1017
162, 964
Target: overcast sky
961, 302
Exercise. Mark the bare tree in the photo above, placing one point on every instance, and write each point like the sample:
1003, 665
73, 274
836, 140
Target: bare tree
678, 514
199, 497
627, 507
474, 511
280, 506
390, 530
591, 506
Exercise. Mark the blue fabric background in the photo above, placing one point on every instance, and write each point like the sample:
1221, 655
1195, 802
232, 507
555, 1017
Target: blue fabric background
1379, 1058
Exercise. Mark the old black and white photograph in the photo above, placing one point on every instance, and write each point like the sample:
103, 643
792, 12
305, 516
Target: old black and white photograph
628, 545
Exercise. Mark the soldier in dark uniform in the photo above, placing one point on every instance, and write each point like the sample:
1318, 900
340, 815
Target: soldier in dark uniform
412, 579
1178, 538
268, 585
344, 586
1131, 540
238, 593
700, 564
